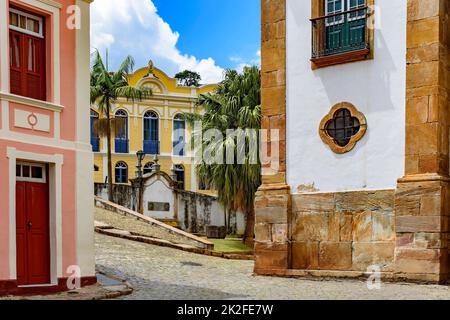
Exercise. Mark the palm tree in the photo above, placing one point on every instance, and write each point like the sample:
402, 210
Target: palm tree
236, 104
106, 88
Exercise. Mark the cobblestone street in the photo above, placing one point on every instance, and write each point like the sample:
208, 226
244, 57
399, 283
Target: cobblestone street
162, 273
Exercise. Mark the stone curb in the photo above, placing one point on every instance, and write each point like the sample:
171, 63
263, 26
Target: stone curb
114, 294
108, 231
93, 293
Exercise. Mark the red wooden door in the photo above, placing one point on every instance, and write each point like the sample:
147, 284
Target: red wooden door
32, 236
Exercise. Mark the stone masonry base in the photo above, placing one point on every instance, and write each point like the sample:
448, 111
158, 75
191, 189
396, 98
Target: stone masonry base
422, 225
402, 234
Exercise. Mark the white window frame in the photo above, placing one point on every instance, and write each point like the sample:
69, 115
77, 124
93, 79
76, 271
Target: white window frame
341, 21
148, 165
123, 165
151, 118
40, 34
357, 17
125, 115
30, 179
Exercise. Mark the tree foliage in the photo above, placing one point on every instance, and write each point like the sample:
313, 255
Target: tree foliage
188, 78
236, 104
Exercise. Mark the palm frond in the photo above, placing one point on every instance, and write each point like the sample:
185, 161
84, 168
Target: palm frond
236, 104
132, 93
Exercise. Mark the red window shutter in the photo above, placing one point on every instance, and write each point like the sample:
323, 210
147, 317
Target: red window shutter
27, 65
16, 63
35, 67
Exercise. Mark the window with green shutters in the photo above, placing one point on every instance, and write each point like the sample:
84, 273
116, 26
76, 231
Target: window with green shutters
342, 28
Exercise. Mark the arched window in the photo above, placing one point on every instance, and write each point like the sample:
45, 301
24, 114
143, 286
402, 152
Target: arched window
179, 135
121, 172
179, 173
121, 141
148, 168
95, 139
151, 132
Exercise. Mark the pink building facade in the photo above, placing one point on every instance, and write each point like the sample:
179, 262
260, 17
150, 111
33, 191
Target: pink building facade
46, 185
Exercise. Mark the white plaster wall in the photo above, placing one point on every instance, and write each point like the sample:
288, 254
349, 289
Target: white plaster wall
376, 87
217, 217
158, 191
217, 214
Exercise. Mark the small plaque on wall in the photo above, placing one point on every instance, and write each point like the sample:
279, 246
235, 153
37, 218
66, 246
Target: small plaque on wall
158, 206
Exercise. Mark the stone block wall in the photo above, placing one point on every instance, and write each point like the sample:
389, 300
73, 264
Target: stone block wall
272, 203
271, 229
405, 231
422, 197
348, 231
422, 226
123, 195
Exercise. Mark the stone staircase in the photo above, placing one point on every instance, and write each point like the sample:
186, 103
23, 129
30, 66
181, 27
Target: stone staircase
115, 220
171, 222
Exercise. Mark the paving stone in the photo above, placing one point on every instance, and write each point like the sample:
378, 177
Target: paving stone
158, 273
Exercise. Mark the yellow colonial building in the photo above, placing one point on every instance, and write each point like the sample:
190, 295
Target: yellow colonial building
155, 126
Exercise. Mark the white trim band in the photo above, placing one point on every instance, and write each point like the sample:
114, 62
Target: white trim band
31, 102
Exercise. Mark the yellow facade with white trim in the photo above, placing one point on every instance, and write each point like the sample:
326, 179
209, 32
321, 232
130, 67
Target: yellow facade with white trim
168, 100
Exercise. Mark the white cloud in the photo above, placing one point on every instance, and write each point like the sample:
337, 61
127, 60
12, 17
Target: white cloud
241, 63
134, 27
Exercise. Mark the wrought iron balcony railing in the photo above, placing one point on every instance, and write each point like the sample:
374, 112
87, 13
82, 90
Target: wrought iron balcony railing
151, 147
95, 142
121, 145
340, 33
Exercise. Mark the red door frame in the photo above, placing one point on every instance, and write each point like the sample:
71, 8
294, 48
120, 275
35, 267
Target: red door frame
33, 232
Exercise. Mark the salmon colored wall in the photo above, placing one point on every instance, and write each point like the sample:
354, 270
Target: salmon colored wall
68, 203
68, 67
68, 75
4, 214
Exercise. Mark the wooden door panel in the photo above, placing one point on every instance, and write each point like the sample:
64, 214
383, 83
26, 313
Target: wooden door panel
22, 274
32, 233
38, 210
38, 234
39, 260
21, 239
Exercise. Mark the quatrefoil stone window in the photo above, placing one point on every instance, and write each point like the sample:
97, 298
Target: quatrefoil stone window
343, 127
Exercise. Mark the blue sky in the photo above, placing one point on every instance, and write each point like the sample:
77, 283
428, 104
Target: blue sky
201, 35
217, 28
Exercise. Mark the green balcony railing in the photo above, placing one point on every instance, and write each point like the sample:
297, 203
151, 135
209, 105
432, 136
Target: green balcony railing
340, 33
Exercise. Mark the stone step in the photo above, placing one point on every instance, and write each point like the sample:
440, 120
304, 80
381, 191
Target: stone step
170, 222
